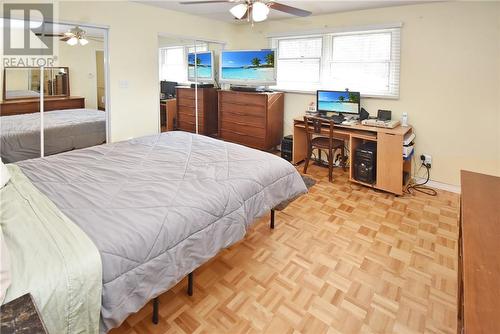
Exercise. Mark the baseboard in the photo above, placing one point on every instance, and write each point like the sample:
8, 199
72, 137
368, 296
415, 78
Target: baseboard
440, 185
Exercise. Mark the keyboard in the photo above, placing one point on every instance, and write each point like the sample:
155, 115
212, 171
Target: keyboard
337, 119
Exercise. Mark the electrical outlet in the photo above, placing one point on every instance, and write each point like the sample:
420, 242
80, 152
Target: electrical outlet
426, 159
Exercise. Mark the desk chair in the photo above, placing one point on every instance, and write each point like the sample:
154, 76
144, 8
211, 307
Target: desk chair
317, 140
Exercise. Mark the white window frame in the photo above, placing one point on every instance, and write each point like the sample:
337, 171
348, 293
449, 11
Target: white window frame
327, 54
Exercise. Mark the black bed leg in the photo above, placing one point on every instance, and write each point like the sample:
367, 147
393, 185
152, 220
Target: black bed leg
190, 284
155, 311
272, 218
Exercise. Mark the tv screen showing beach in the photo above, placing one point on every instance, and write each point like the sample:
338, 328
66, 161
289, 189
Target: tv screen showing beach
342, 102
204, 65
256, 66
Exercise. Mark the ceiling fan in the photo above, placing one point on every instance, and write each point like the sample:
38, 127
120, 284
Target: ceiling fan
254, 10
74, 36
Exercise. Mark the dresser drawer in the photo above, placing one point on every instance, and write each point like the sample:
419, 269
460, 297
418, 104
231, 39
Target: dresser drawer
189, 126
189, 111
242, 110
246, 129
241, 138
189, 118
190, 103
244, 99
244, 119
189, 94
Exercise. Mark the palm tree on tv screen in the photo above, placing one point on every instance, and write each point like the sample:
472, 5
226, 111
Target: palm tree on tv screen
353, 98
341, 98
256, 61
270, 58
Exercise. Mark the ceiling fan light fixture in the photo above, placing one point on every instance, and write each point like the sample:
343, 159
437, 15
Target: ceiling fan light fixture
259, 12
239, 11
83, 41
72, 41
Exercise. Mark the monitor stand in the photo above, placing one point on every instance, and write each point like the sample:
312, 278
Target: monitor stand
251, 89
203, 85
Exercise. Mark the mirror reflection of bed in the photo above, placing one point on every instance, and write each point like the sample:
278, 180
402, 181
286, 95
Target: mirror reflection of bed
74, 102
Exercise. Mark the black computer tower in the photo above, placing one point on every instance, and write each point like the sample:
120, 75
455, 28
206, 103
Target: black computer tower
365, 163
287, 147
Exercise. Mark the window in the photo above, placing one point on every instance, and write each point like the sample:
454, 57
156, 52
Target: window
173, 61
173, 64
364, 61
299, 62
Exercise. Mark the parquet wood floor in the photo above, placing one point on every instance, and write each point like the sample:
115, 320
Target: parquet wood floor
342, 259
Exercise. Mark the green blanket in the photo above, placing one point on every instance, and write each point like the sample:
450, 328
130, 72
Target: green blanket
51, 258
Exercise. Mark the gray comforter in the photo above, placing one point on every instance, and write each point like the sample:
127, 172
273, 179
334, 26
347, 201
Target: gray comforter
158, 207
64, 130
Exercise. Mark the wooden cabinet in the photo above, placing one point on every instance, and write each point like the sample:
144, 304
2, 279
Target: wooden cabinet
479, 265
168, 111
207, 110
28, 106
251, 119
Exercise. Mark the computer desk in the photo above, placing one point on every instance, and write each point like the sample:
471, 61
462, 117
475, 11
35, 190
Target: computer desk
390, 163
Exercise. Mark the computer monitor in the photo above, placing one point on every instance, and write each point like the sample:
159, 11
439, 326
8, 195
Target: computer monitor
168, 88
342, 102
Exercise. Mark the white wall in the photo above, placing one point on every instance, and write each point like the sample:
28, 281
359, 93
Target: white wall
133, 52
81, 61
450, 61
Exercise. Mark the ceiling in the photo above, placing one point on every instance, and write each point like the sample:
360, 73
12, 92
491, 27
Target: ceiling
220, 11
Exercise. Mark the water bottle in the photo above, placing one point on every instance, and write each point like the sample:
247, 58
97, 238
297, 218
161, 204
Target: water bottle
404, 119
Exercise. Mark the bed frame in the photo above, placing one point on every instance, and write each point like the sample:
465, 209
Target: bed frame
156, 301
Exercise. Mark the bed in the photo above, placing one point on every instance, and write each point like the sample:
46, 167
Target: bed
64, 130
21, 94
158, 207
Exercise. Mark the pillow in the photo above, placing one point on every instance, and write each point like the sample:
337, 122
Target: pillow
5, 278
4, 175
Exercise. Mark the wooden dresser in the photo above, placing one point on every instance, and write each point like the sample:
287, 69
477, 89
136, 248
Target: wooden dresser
251, 119
479, 254
28, 106
207, 110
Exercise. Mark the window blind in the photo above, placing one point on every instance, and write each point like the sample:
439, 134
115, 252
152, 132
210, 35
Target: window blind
367, 62
299, 62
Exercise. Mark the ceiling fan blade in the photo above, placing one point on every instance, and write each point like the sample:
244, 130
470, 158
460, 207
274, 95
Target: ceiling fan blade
64, 39
203, 2
48, 35
289, 9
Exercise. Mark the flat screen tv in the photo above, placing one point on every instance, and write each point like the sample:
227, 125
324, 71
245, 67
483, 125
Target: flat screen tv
204, 66
337, 101
248, 67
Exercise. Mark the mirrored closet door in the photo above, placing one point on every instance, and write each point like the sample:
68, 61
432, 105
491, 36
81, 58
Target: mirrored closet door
51, 110
188, 84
